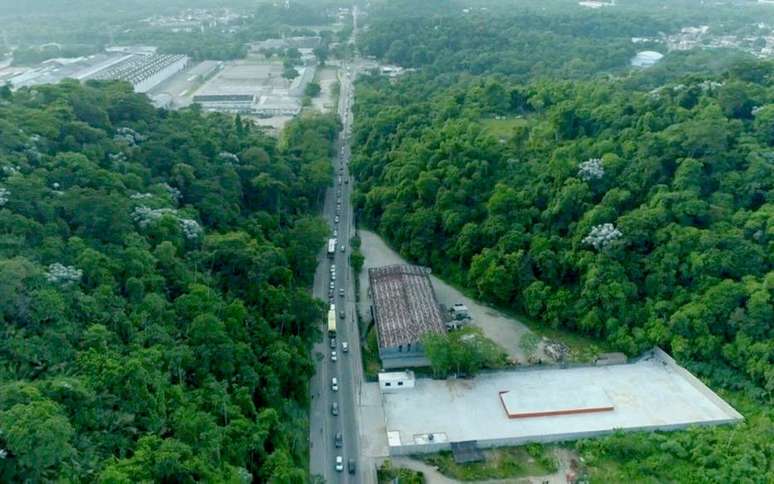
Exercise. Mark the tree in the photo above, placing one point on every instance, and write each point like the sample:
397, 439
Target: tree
290, 73
312, 89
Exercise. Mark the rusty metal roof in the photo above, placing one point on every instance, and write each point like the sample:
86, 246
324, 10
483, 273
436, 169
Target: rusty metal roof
404, 304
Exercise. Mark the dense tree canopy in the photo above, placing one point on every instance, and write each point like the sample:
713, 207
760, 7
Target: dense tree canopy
155, 323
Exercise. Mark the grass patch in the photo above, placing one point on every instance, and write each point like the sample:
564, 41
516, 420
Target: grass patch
502, 463
370, 352
387, 474
502, 128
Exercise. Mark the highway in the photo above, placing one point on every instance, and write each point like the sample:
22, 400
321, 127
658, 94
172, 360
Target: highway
347, 369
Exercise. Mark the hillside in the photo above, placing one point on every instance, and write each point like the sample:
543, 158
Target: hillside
154, 266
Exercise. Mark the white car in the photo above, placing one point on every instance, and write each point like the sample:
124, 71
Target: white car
333, 267
333, 355
332, 285
333, 276
334, 384
344, 346
336, 219
339, 463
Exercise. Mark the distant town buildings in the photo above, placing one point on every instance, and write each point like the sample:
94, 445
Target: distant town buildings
756, 39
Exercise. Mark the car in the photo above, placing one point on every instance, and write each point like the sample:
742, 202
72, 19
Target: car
332, 285
341, 292
335, 233
334, 384
343, 247
335, 409
342, 315
333, 267
339, 463
351, 466
345, 347
333, 343
333, 355
333, 276
339, 439
346, 181
336, 219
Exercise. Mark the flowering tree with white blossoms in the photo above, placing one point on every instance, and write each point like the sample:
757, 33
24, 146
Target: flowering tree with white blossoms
62, 274
602, 236
591, 169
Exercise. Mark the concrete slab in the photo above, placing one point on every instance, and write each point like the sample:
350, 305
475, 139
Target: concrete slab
652, 393
540, 401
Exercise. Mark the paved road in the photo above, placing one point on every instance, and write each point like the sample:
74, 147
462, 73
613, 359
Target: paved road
347, 369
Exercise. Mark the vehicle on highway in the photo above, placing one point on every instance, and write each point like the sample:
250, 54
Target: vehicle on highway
335, 409
333, 343
342, 315
336, 219
339, 439
334, 384
343, 248
341, 292
345, 347
331, 247
339, 463
332, 285
335, 233
333, 355
351, 466
333, 276
346, 181
333, 267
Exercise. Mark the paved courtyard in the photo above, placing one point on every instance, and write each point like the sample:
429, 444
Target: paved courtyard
653, 393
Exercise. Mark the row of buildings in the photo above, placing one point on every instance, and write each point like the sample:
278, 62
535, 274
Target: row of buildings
141, 66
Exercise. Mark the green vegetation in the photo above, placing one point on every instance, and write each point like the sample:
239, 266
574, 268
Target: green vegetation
463, 352
703, 454
502, 463
154, 267
610, 215
312, 89
632, 208
372, 364
386, 474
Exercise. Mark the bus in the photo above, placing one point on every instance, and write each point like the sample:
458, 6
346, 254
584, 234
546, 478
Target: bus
332, 321
331, 247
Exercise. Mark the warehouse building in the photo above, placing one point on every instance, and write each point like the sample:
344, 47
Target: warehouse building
404, 308
144, 71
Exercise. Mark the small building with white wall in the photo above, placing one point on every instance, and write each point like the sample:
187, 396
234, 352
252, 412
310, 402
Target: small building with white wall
395, 381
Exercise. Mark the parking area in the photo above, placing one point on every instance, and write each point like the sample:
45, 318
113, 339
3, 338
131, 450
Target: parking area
546, 405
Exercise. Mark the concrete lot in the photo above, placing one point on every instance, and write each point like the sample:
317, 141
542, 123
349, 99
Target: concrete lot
182, 86
326, 78
504, 330
651, 394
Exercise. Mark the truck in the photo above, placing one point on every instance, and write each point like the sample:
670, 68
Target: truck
331, 247
332, 321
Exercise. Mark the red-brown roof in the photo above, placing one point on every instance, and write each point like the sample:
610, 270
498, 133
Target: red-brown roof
405, 307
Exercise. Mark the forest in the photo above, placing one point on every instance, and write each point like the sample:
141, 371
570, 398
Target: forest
154, 272
588, 204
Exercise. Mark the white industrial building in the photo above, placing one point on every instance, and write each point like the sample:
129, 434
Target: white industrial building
143, 71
